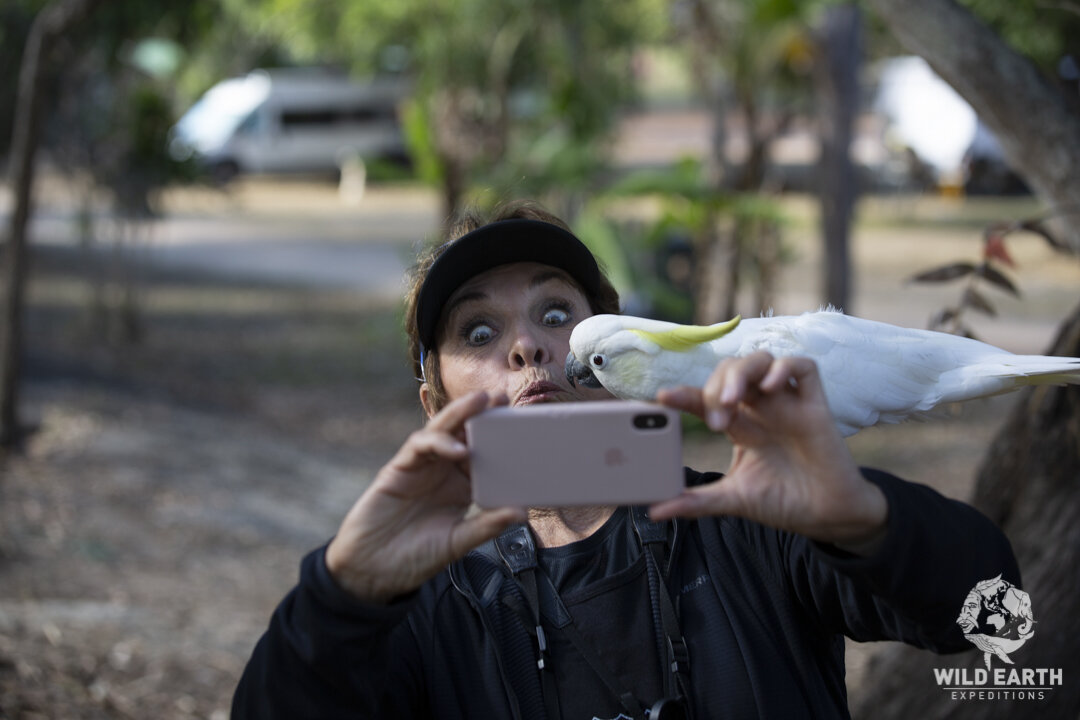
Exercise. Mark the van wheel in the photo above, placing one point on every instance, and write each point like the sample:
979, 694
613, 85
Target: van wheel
224, 171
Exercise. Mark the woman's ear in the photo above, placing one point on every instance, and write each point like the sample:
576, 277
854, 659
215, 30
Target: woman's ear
427, 400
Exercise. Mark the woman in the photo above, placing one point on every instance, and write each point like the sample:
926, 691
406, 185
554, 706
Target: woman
729, 600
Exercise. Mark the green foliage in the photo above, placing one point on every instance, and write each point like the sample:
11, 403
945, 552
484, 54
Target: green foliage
690, 209
114, 126
1042, 31
421, 143
689, 201
634, 256
602, 238
106, 113
762, 49
224, 39
507, 88
110, 34
684, 179
552, 163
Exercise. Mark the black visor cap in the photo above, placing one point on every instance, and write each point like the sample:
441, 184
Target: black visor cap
500, 243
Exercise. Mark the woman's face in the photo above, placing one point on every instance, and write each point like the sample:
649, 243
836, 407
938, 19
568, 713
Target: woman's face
507, 330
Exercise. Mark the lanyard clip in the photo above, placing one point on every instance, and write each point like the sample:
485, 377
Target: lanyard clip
678, 655
541, 643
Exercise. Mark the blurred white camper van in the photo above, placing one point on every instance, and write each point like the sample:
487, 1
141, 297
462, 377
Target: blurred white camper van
290, 120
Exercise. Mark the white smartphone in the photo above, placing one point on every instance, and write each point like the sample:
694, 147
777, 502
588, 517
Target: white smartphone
607, 452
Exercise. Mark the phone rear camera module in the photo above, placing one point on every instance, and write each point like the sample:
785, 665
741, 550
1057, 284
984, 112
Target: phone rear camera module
650, 421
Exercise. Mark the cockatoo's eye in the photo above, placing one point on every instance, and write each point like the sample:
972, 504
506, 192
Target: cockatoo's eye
598, 361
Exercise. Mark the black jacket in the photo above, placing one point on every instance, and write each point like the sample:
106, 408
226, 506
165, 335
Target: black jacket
766, 642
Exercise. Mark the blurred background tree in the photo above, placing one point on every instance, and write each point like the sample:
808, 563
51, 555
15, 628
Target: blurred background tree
1027, 482
524, 93
105, 116
15, 20
525, 97
1006, 68
48, 26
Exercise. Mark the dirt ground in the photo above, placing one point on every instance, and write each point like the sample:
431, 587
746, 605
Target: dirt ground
170, 487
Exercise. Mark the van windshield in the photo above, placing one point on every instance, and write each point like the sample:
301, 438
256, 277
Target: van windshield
215, 117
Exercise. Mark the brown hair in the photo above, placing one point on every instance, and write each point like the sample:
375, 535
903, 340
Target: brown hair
605, 300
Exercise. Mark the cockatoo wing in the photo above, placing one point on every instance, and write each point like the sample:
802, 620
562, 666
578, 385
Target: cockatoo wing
874, 372
871, 371
867, 377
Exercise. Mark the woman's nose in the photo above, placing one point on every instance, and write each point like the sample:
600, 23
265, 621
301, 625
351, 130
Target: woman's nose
528, 351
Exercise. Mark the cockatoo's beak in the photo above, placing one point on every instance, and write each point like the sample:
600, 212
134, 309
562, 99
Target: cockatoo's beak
577, 372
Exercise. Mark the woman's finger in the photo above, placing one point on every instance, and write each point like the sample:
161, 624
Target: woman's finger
798, 373
444, 435
426, 446
692, 400
451, 419
735, 379
685, 398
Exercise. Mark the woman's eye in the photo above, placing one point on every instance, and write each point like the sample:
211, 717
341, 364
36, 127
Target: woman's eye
479, 334
555, 317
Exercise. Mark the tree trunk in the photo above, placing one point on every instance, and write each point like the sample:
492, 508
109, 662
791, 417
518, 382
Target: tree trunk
767, 260
23, 144
49, 24
717, 273
1029, 483
453, 188
1039, 134
838, 95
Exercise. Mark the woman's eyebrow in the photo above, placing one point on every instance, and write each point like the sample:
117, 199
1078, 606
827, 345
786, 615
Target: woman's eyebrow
540, 278
548, 275
462, 299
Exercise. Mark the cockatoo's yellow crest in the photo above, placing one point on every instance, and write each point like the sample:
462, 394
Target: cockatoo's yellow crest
687, 337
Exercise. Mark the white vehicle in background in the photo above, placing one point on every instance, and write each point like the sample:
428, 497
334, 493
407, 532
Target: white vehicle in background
927, 116
291, 120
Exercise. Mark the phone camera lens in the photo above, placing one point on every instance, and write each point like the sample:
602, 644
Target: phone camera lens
652, 421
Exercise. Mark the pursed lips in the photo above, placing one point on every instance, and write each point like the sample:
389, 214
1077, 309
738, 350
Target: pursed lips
539, 391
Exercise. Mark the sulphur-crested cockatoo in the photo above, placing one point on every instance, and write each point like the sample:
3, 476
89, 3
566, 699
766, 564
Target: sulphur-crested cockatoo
871, 371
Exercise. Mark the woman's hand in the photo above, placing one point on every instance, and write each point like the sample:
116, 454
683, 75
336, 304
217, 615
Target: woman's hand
790, 468
411, 522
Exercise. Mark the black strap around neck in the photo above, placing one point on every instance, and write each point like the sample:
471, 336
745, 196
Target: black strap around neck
654, 536
518, 553
517, 550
